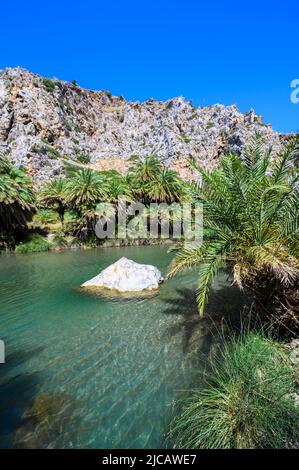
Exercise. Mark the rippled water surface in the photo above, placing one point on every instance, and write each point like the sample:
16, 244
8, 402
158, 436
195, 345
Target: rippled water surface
87, 371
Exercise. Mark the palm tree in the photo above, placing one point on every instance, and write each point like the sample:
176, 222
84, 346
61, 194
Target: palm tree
118, 187
143, 173
153, 182
166, 187
160, 219
251, 213
146, 170
54, 195
85, 188
17, 197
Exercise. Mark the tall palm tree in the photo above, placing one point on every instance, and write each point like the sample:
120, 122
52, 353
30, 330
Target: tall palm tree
54, 195
118, 187
251, 213
166, 187
153, 182
143, 173
160, 219
85, 188
146, 170
118, 194
17, 196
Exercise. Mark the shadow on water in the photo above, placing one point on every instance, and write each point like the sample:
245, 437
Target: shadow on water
224, 311
16, 392
29, 418
227, 310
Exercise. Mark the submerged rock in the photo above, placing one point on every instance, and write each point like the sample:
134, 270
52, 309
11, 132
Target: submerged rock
127, 276
44, 421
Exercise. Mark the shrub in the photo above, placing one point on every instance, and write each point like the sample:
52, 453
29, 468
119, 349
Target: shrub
108, 93
185, 138
121, 118
247, 401
49, 85
34, 243
54, 196
71, 215
46, 216
84, 159
60, 239
52, 152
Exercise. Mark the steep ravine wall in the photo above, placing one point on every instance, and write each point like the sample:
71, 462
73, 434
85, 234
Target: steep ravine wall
42, 121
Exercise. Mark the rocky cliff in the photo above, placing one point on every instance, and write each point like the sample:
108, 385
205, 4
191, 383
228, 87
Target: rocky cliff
45, 121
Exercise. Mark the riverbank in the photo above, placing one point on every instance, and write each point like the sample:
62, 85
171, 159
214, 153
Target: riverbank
49, 244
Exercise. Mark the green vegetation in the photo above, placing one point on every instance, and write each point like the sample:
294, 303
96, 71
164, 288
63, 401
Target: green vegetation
246, 401
153, 182
263, 124
185, 138
60, 239
251, 221
76, 197
251, 209
108, 93
52, 152
85, 188
167, 187
17, 197
118, 187
54, 196
145, 171
49, 85
34, 243
210, 125
84, 159
45, 216
250, 206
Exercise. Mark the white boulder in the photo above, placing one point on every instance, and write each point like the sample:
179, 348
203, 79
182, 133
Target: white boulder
127, 276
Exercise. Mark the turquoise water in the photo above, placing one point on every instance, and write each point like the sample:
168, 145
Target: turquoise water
92, 372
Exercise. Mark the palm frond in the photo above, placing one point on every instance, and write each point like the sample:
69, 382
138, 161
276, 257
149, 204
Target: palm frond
251, 209
208, 270
188, 256
285, 161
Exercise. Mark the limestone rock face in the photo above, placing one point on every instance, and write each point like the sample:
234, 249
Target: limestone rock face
43, 122
127, 276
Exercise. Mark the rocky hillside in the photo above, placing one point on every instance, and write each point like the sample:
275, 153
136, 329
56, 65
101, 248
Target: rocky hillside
45, 121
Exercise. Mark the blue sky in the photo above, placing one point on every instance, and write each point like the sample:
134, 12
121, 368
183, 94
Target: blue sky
227, 52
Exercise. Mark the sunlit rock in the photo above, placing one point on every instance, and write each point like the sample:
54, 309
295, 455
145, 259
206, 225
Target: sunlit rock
110, 130
127, 276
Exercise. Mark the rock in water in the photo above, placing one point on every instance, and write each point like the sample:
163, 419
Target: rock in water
127, 276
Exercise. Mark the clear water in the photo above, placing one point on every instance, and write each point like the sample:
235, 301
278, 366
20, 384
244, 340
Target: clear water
92, 372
